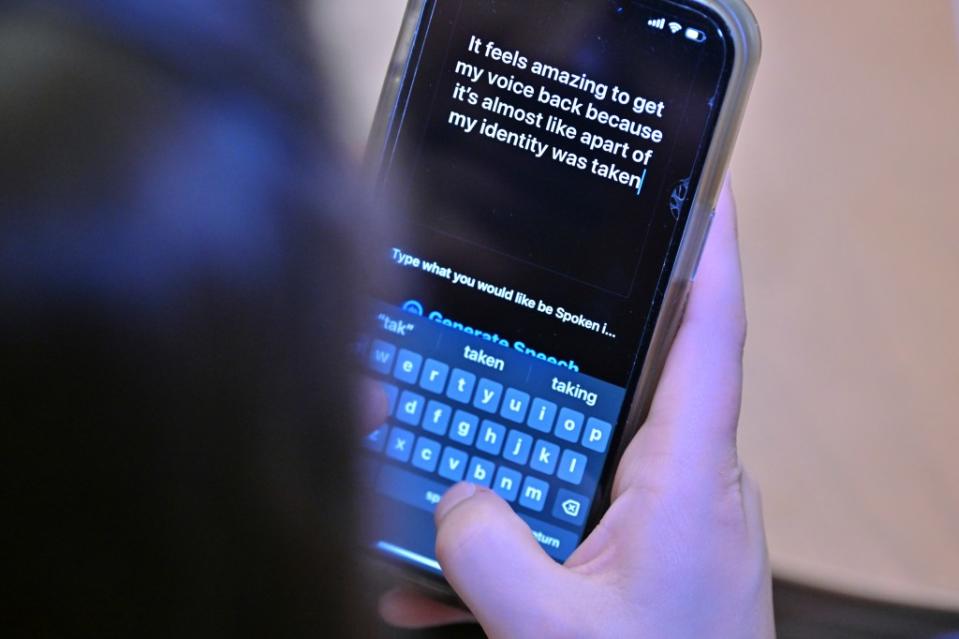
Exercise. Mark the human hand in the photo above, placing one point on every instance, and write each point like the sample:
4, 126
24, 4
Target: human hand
680, 553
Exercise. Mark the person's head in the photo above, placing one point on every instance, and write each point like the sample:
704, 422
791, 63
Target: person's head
176, 301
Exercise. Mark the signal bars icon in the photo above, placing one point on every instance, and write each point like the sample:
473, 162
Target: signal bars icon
660, 23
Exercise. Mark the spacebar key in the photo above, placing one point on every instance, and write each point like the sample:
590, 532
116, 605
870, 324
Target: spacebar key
410, 488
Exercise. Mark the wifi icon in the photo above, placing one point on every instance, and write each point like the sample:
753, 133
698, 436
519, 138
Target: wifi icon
675, 26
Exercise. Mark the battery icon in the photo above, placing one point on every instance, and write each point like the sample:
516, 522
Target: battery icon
695, 35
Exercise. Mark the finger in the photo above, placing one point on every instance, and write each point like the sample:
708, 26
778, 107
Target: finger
411, 609
494, 563
695, 411
374, 405
716, 312
755, 565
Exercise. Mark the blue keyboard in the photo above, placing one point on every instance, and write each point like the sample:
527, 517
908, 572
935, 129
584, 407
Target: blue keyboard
464, 408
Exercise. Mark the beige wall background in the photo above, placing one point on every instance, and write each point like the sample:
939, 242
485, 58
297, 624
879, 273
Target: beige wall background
848, 170
847, 175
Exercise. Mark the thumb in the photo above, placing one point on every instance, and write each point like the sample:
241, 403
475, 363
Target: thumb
494, 563
689, 436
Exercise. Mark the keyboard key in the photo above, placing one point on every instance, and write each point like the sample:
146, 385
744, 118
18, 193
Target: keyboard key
464, 428
382, 355
407, 366
410, 409
596, 434
437, 417
558, 542
377, 439
410, 488
434, 376
392, 392
426, 454
480, 472
461, 386
545, 457
453, 464
518, 445
569, 425
506, 484
515, 404
490, 439
571, 507
400, 444
572, 465
541, 415
488, 393
533, 494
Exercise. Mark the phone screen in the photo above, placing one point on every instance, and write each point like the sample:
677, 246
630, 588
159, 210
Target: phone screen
541, 156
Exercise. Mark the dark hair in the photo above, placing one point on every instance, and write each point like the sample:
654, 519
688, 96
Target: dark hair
176, 301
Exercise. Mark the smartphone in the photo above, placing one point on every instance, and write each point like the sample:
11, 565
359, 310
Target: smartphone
552, 166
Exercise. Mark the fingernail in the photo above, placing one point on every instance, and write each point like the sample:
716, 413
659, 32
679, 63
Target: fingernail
453, 498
